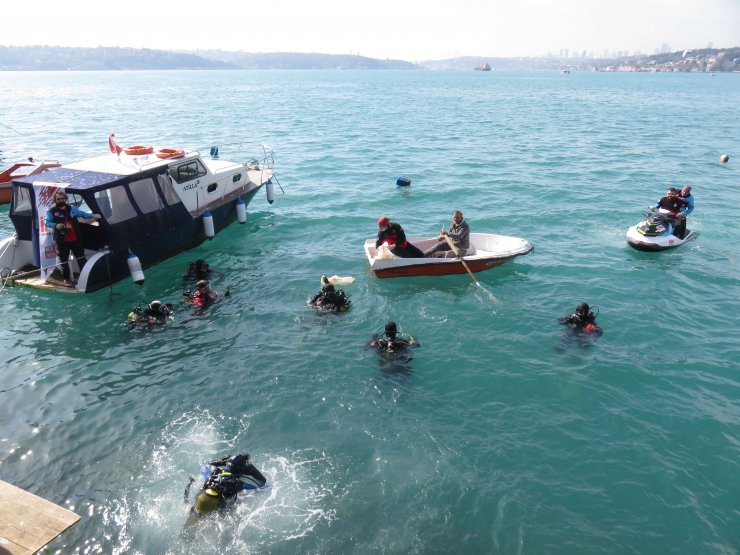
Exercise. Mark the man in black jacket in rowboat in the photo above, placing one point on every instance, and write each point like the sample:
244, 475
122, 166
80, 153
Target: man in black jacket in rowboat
459, 234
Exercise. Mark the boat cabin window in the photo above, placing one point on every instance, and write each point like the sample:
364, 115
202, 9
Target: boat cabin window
237, 178
115, 204
78, 201
145, 195
21, 201
165, 183
212, 187
188, 171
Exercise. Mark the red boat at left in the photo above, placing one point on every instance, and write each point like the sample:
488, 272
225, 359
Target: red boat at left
21, 169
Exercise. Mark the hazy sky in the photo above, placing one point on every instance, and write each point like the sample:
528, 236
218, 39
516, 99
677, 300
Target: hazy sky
411, 30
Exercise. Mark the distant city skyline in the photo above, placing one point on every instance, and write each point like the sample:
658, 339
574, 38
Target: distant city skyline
412, 30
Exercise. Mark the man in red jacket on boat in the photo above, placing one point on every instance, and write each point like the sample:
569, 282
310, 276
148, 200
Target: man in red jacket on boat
392, 234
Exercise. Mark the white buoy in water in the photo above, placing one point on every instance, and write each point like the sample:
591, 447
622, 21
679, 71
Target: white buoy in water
208, 225
270, 190
337, 280
340, 280
134, 268
724, 158
241, 210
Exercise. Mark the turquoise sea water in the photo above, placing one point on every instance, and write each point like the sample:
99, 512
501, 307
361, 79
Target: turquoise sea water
501, 435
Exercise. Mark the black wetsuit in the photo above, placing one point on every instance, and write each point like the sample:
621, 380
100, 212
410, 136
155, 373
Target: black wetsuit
330, 300
579, 322
225, 481
392, 343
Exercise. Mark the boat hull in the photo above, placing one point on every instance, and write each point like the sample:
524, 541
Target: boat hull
20, 169
491, 251
439, 269
655, 244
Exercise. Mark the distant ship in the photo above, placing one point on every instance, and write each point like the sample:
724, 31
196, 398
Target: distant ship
483, 67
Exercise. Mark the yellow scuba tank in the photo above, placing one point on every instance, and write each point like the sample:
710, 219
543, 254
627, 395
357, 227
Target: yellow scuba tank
207, 501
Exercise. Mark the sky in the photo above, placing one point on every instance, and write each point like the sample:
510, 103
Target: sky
412, 30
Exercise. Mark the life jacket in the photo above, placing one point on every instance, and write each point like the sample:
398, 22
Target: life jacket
64, 216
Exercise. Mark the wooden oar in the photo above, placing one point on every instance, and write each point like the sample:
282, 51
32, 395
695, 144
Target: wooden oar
457, 253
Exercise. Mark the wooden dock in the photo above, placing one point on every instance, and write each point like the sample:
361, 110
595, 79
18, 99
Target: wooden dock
28, 522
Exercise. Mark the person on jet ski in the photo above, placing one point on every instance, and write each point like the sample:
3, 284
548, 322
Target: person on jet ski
582, 319
330, 298
229, 476
156, 312
671, 202
391, 341
686, 196
675, 205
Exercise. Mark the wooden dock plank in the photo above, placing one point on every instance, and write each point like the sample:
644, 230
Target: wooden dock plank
29, 522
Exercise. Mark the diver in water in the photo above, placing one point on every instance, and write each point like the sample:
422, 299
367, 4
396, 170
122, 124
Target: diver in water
391, 341
197, 270
582, 320
156, 312
204, 295
229, 475
330, 299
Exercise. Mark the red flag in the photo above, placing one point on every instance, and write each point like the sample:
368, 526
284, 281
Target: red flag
114, 148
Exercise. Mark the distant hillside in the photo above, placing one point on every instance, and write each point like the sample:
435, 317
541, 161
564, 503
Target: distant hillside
294, 60
25, 58
725, 59
29, 58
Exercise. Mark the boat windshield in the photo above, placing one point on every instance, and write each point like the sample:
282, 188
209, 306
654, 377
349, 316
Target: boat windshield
188, 171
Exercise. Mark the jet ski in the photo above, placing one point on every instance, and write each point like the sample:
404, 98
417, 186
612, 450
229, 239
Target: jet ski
656, 233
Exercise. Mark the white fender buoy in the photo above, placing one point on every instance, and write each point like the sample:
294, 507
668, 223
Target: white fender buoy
208, 225
724, 158
270, 190
134, 268
241, 210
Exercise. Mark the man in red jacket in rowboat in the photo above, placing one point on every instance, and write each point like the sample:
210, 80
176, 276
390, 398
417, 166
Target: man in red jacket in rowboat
393, 235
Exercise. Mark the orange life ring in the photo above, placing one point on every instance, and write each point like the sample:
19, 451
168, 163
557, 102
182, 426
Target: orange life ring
170, 153
138, 150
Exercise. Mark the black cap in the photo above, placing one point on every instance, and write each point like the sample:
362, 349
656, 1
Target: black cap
390, 327
583, 307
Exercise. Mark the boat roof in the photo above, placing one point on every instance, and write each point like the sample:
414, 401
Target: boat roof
102, 171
